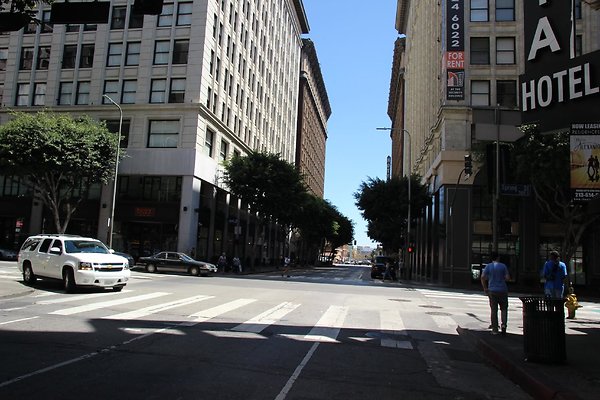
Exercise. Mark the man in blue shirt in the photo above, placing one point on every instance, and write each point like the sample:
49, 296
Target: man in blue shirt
555, 274
493, 279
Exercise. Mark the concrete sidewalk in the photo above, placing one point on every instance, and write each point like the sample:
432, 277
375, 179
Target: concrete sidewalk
578, 378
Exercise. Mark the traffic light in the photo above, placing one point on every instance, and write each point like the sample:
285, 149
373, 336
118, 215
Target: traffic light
411, 248
468, 164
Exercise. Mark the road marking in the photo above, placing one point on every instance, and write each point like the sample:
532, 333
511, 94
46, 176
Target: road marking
142, 312
288, 385
391, 324
205, 315
17, 320
328, 327
90, 296
269, 317
96, 306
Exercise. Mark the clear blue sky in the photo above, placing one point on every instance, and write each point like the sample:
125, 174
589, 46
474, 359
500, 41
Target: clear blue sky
354, 40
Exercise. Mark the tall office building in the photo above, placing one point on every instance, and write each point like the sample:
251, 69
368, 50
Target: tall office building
198, 83
454, 89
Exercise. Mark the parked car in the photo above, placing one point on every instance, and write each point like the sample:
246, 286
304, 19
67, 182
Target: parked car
75, 260
170, 260
8, 255
378, 266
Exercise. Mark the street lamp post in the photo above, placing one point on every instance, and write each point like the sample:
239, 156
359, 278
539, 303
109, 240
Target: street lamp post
111, 221
408, 175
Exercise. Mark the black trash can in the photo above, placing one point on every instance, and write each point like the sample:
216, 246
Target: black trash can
544, 330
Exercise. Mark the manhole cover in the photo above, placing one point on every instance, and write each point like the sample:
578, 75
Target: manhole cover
405, 300
429, 306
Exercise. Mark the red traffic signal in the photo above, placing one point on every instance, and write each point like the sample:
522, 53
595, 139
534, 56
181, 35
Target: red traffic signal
410, 248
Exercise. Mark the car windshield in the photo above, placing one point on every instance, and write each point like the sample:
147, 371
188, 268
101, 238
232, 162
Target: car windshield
85, 246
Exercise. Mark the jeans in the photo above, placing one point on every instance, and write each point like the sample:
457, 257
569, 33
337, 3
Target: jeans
498, 299
555, 293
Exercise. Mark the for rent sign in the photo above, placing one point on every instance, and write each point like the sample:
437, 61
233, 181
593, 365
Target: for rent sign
454, 56
557, 87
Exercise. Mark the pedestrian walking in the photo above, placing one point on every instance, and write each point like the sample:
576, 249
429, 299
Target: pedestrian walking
222, 262
555, 276
286, 267
387, 273
493, 279
237, 265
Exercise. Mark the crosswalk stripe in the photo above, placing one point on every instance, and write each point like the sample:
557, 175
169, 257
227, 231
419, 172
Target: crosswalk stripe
392, 325
86, 297
205, 315
269, 317
110, 303
328, 327
142, 312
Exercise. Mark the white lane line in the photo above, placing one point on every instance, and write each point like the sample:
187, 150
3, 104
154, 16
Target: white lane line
110, 303
142, 312
328, 327
391, 324
269, 317
17, 320
205, 315
288, 386
88, 297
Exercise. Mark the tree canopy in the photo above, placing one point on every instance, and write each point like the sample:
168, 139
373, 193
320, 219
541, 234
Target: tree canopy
384, 205
59, 157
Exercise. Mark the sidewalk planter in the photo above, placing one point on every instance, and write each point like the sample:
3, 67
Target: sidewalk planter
544, 330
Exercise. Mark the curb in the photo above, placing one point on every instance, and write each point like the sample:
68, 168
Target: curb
536, 384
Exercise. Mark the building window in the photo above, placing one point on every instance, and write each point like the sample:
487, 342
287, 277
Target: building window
577, 9
113, 126
72, 28
158, 89
184, 14
161, 52
177, 92
505, 50
166, 16
506, 93
114, 54
111, 89
83, 93
128, 93
46, 25
39, 94
89, 27
208, 143
479, 10
87, 56
180, 51
135, 20
133, 53
163, 133
480, 50
505, 10
1, 93
578, 46
69, 55
31, 27
480, 93
43, 57
118, 18
22, 94
3, 58
26, 62
224, 150
65, 93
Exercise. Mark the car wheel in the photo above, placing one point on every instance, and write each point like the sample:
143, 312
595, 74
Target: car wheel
194, 270
117, 288
28, 275
69, 280
151, 268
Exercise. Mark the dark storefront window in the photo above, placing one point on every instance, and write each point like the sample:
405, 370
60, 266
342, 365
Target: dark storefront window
12, 186
150, 188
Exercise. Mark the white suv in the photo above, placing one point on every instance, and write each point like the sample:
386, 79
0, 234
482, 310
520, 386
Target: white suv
76, 260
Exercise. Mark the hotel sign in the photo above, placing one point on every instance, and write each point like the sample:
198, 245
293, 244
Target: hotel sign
454, 56
557, 87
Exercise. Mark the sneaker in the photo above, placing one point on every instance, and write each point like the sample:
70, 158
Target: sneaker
503, 330
495, 332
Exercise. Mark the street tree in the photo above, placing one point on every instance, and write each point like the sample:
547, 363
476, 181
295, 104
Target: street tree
58, 157
543, 160
384, 205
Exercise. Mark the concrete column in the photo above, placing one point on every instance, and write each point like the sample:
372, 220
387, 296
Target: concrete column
104, 212
188, 214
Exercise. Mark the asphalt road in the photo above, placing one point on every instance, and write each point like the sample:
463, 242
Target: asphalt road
330, 333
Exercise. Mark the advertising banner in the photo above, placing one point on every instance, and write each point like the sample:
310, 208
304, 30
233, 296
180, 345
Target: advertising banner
585, 167
454, 56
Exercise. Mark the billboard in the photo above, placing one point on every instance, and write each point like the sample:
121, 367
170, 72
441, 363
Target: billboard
585, 165
454, 55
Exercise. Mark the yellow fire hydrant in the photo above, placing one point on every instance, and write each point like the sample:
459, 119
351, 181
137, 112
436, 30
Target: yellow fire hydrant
571, 303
